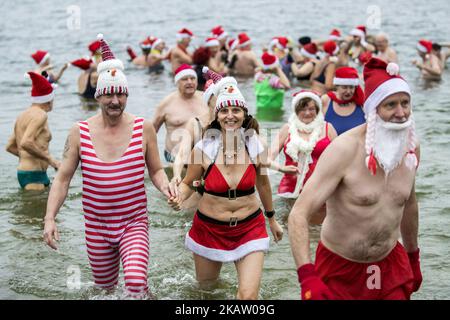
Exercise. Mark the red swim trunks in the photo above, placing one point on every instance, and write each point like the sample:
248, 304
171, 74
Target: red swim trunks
388, 279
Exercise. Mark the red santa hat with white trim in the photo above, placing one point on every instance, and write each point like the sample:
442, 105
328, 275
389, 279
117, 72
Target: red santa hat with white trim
381, 81
302, 94
40, 56
219, 33
83, 63
309, 50
42, 91
280, 42
243, 40
184, 33
335, 35
348, 76
330, 47
269, 61
111, 78
183, 71
359, 31
212, 42
424, 46
94, 47
147, 43
232, 44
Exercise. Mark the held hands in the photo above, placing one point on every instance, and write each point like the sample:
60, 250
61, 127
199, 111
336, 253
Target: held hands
276, 229
313, 287
174, 199
51, 233
290, 169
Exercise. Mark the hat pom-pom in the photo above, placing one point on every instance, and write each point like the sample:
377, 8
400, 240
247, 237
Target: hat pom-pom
26, 75
371, 164
393, 69
100, 36
411, 160
205, 69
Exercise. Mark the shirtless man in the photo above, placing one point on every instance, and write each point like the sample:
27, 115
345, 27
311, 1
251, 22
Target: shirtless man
179, 54
215, 61
430, 65
32, 136
114, 147
42, 59
383, 50
178, 107
367, 179
246, 60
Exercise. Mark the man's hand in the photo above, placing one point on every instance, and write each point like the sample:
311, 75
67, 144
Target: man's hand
414, 261
290, 169
276, 229
175, 202
51, 233
313, 287
55, 163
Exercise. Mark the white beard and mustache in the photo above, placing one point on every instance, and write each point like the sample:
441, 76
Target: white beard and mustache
391, 143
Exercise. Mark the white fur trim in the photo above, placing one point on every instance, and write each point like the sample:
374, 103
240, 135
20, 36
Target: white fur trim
223, 35
302, 95
346, 81
383, 91
270, 66
45, 58
227, 255
185, 73
305, 53
156, 43
358, 32
181, 36
246, 43
43, 99
335, 38
212, 43
421, 48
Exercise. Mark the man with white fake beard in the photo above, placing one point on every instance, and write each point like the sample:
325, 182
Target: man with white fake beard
367, 179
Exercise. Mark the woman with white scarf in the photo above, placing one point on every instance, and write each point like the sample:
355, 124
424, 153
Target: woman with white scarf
302, 139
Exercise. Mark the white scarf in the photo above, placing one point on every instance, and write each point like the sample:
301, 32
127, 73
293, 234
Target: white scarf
300, 149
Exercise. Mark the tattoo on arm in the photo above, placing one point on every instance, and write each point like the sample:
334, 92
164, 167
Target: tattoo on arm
66, 148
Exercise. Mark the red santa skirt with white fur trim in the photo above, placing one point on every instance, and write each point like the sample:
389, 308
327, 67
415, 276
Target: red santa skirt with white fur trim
225, 243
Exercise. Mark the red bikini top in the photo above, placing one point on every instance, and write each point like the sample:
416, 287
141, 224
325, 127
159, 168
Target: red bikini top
215, 181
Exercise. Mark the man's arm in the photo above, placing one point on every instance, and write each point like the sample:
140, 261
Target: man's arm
153, 162
159, 117
409, 227
28, 142
60, 185
11, 146
60, 73
181, 56
327, 175
184, 150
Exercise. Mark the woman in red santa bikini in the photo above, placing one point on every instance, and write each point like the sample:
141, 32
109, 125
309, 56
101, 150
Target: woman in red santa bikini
229, 225
302, 139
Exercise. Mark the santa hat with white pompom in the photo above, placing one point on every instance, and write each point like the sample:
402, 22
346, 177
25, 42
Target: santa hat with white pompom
42, 91
381, 81
111, 78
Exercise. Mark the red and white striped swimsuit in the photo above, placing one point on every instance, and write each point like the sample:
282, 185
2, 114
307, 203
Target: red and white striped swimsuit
115, 211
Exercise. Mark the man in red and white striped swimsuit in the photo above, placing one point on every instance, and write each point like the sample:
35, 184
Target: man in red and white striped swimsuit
114, 147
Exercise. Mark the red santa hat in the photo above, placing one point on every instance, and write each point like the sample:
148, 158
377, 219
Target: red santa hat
94, 47
424, 46
184, 33
218, 32
40, 56
330, 47
183, 71
156, 42
381, 81
364, 57
269, 61
348, 76
243, 40
147, 43
83, 63
335, 35
111, 78
302, 94
232, 44
211, 42
42, 89
279, 42
309, 50
359, 31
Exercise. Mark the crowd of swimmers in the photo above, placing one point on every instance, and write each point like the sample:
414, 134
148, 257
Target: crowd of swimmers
349, 147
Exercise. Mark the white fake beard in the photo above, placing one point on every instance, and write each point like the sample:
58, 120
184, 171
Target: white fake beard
391, 141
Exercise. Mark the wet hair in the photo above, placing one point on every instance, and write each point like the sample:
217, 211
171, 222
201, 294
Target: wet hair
303, 103
201, 56
304, 40
249, 123
436, 47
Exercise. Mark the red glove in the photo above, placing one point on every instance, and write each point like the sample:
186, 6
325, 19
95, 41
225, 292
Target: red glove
131, 53
312, 286
414, 261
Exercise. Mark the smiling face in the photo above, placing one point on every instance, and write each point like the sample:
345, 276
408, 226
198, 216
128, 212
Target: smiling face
306, 111
396, 108
231, 118
113, 105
